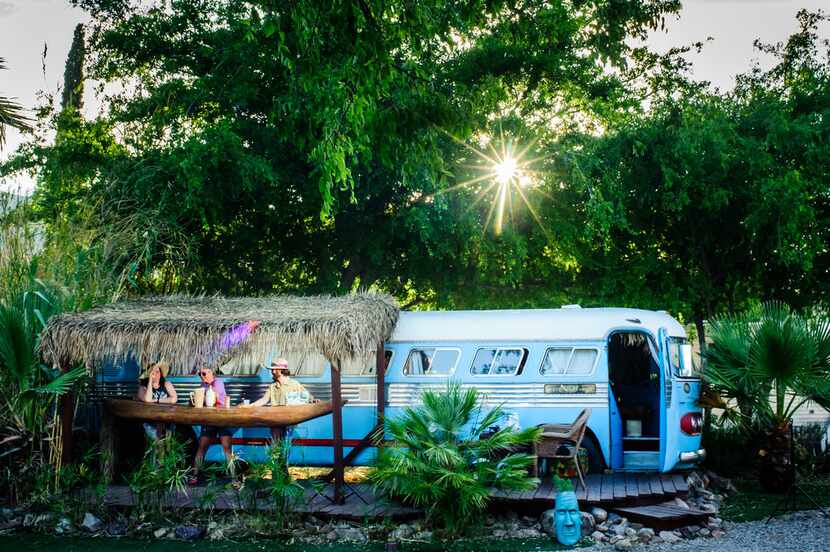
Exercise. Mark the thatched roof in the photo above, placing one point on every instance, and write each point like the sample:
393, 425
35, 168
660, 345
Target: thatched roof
186, 331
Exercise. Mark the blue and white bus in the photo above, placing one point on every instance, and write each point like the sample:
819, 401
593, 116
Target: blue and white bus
633, 368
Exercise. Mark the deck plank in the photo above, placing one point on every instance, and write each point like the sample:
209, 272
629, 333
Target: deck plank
545, 491
594, 487
631, 488
607, 490
656, 485
643, 487
619, 486
668, 484
680, 483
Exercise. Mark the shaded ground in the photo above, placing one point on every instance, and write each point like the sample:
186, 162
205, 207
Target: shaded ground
41, 543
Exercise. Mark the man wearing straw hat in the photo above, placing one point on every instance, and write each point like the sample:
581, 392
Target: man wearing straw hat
282, 392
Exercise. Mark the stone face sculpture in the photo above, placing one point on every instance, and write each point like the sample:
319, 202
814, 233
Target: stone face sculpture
568, 521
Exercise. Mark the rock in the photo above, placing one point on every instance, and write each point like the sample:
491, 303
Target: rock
704, 532
527, 533
718, 533
614, 539
189, 532
13, 523
64, 526
548, 522
619, 528
501, 533
29, 520
695, 482
91, 523
352, 534
599, 514
669, 536
216, 534
645, 534
623, 544
602, 527
709, 507
588, 523
689, 532
721, 484
598, 536
680, 503
629, 532
613, 518
160, 533
635, 526
116, 528
714, 523
402, 531
332, 536
423, 535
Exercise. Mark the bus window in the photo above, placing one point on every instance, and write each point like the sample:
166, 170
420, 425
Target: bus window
568, 361
499, 362
364, 365
431, 361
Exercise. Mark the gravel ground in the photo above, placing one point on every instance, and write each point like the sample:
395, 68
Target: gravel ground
799, 532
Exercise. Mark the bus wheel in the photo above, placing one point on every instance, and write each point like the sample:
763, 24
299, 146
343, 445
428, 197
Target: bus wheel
595, 461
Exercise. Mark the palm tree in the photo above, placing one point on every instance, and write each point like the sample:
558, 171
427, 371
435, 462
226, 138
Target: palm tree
11, 114
439, 463
769, 362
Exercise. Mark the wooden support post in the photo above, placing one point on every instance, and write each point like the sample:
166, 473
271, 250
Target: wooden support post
337, 430
109, 445
67, 414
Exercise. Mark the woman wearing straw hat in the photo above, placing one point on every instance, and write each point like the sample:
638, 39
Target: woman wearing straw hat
154, 388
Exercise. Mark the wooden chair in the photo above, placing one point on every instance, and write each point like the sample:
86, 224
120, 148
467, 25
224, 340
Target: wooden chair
554, 436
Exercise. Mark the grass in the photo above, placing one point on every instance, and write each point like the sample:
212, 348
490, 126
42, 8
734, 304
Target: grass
752, 503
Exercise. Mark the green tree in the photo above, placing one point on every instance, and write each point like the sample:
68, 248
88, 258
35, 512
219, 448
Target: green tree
710, 202
241, 122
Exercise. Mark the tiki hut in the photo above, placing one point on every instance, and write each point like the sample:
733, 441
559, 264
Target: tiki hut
188, 331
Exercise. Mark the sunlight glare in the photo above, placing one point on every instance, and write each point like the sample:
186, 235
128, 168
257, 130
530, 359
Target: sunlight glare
506, 170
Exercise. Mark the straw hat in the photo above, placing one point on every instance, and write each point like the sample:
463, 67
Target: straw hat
163, 366
281, 364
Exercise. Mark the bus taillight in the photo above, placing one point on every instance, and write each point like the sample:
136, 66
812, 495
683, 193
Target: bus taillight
691, 423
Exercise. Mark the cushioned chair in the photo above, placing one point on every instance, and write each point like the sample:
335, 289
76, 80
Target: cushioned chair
562, 442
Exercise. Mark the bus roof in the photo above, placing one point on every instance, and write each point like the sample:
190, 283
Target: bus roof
564, 324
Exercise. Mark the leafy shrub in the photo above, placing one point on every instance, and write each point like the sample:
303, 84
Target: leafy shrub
273, 479
439, 463
163, 470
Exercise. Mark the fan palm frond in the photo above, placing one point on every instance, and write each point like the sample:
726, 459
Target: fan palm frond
12, 114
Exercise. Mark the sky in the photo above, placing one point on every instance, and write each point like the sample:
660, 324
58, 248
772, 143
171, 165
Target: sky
27, 25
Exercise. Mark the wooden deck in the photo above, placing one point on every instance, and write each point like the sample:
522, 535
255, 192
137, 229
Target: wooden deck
608, 489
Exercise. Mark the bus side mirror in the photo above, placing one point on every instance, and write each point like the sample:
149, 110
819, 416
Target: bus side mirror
687, 369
